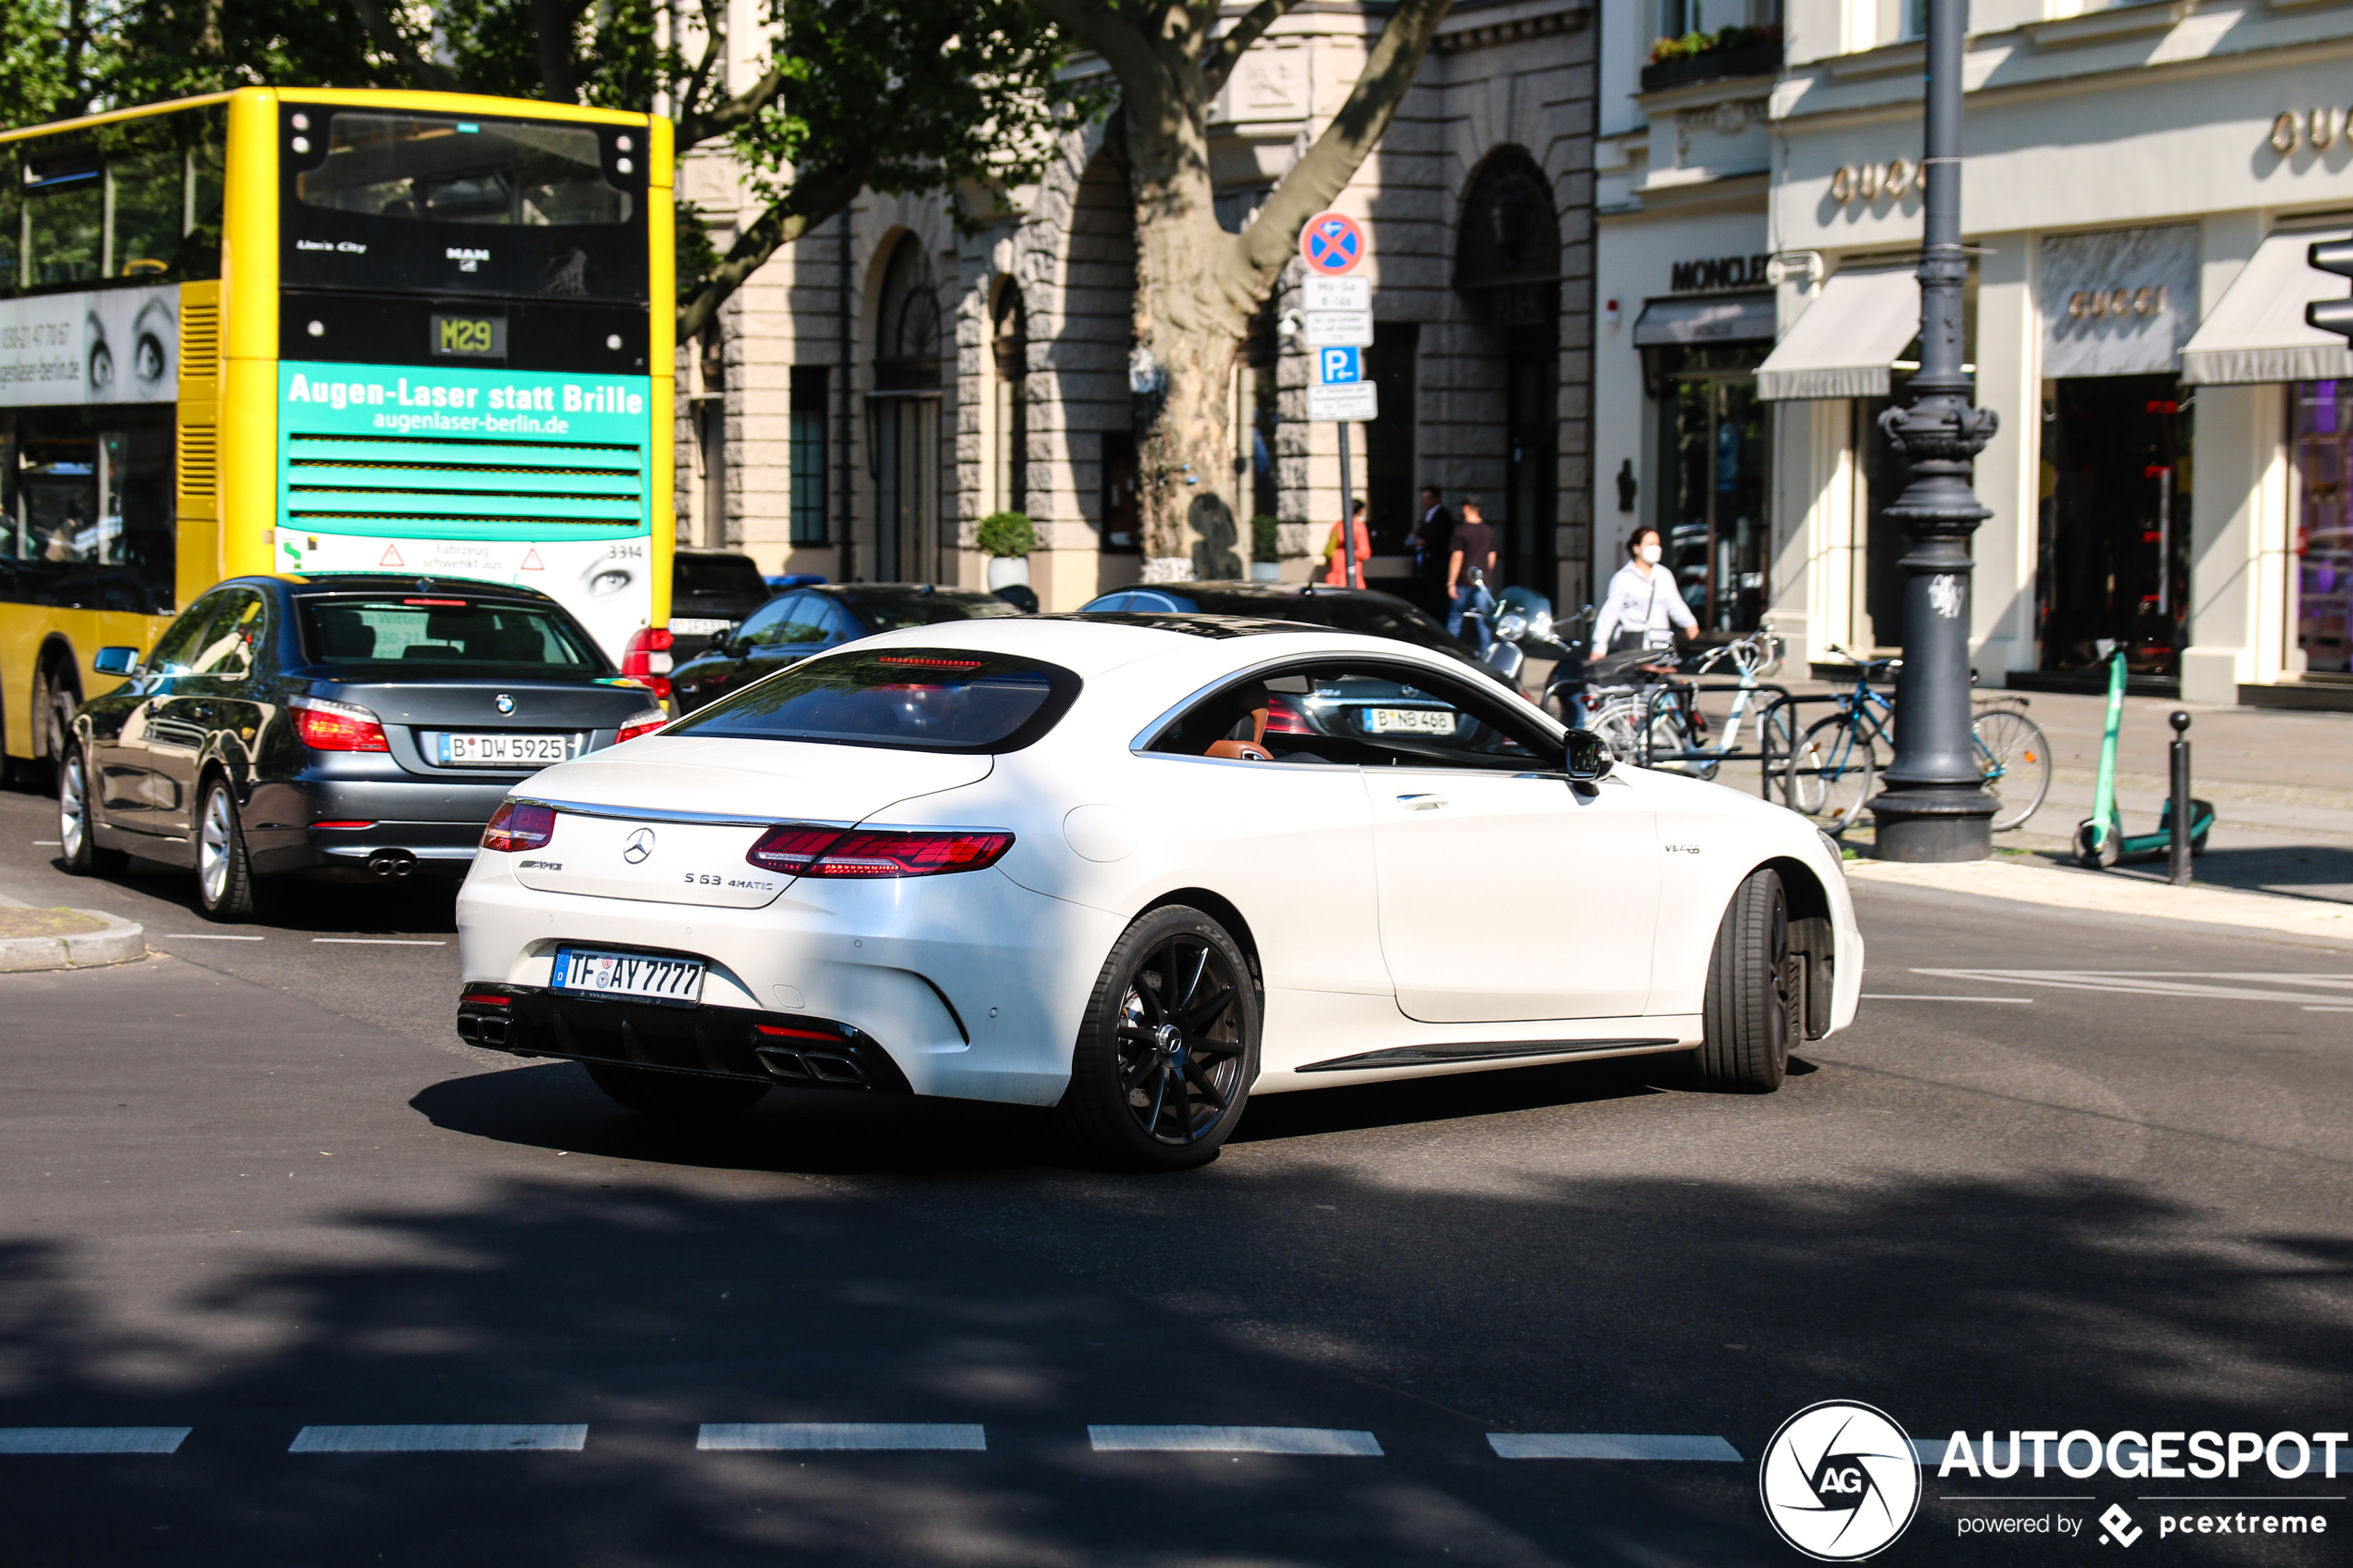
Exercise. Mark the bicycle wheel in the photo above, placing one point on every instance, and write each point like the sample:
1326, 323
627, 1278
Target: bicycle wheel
2017, 762
1839, 763
1777, 740
1615, 723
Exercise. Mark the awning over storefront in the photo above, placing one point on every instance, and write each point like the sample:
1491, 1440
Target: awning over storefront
1700, 323
1846, 340
2256, 332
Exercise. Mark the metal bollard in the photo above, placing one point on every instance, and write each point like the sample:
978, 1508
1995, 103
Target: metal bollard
2178, 873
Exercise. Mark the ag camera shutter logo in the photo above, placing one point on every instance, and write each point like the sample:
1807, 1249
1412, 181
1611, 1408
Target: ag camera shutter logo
1840, 1481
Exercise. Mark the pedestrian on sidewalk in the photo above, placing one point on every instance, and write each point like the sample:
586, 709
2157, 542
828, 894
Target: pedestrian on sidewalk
1643, 607
1347, 550
1471, 569
1433, 540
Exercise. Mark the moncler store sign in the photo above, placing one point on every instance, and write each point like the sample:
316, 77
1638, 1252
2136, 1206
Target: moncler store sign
2120, 303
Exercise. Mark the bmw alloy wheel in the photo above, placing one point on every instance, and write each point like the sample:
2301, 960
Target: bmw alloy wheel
213, 847
73, 805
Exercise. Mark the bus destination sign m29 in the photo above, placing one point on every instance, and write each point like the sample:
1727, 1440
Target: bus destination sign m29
470, 336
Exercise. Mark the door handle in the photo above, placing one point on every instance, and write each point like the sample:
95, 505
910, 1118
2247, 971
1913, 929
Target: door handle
1422, 802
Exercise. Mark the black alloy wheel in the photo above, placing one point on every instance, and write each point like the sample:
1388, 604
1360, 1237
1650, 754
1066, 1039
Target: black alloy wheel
1164, 1063
674, 1097
1747, 1017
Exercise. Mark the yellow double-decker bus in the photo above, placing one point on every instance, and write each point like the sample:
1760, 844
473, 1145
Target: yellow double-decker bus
309, 332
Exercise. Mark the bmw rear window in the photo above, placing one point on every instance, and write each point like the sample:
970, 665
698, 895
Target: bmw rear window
912, 699
410, 632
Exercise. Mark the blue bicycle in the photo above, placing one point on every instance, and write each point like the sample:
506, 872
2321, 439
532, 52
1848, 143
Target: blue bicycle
1830, 776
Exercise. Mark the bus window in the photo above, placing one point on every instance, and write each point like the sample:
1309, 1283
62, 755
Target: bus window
463, 171
150, 212
65, 221
89, 511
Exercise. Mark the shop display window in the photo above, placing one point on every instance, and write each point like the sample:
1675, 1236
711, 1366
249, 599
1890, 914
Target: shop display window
2115, 522
2321, 571
1714, 431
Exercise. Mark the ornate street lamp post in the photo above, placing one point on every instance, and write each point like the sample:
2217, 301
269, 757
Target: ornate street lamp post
1935, 807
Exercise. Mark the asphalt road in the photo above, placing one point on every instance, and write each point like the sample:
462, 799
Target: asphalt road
251, 1188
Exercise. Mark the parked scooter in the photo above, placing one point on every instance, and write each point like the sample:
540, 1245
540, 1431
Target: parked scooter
2100, 838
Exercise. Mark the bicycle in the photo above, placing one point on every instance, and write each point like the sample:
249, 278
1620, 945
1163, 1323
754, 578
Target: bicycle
1676, 727
1830, 776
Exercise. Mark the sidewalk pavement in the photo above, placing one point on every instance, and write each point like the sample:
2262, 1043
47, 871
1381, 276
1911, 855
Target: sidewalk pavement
2281, 782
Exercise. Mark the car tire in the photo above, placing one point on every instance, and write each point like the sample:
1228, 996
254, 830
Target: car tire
1136, 1045
61, 701
226, 888
76, 815
673, 1096
1749, 1012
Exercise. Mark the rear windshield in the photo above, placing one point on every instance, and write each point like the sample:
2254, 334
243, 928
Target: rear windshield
889, 612
917, 700
406, 634
429, 167
729, 575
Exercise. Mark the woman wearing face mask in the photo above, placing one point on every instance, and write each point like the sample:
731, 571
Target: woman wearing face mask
1643, 607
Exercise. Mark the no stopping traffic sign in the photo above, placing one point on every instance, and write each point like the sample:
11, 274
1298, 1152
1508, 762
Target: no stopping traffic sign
1331, 243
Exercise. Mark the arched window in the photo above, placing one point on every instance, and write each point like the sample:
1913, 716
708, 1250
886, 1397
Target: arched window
907, 325
1009, 334
904, 409
1507, 257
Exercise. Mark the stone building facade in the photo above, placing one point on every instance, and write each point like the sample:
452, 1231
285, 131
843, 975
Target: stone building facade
887, 380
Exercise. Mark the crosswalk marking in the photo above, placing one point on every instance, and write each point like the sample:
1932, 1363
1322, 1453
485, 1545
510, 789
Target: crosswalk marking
836, 1436
2245, 987
438, 1439
1611, 1445
1234, 1440
93, 1440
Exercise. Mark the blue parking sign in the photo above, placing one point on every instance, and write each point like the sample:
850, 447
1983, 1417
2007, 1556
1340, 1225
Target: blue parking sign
1337, 367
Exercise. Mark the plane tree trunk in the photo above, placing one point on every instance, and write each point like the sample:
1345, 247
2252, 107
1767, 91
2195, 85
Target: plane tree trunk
1197, 285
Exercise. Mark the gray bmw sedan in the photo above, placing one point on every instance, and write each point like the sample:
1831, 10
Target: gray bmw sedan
360, 725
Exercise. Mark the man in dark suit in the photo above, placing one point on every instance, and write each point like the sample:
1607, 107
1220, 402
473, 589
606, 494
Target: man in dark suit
1433, 540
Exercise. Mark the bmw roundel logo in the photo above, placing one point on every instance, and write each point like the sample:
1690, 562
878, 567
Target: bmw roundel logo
1840, 1481
505, 703
638, 845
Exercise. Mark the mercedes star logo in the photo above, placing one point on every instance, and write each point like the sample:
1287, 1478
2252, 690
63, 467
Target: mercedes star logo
638, 845
505, 703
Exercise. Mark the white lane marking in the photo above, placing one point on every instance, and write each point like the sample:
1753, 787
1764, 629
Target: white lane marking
204, 937
1894, 997
437, 1439
2165, 982
812, 1435
1611, 1445
49, 843
1233, 1440
378, 942
2328, 1009
93, 1440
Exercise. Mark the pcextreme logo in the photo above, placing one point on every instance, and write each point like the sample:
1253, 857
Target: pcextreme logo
1840, 1481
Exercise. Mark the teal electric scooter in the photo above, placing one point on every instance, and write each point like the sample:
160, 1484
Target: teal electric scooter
2100, 839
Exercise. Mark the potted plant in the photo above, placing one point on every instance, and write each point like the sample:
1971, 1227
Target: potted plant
1006, 538
1266, 552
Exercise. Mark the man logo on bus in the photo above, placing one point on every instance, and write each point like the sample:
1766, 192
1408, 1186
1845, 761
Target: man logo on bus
468, 260
1840, 1481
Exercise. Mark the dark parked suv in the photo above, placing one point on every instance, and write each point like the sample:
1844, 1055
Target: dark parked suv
366, 723
801, 622
710, 591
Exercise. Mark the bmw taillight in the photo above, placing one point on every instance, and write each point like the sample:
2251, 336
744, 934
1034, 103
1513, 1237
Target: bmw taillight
1284, 718
519, 824
648, 659
644, 723
337, 726
799, 850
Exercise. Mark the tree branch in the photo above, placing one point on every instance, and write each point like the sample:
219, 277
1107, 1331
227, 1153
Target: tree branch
428, 73
1226, 51
808, 204
697, 126
1122, 46
1324, 170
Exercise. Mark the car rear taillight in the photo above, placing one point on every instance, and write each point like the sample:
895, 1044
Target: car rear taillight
799, 849
519, 824
337, 726
1283, 718
644, 723
648, 659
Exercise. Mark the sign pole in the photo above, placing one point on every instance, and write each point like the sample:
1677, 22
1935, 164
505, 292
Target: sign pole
1352, 571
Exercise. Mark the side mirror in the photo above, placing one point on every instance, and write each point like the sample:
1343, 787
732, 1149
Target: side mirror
1589, 757
115, 661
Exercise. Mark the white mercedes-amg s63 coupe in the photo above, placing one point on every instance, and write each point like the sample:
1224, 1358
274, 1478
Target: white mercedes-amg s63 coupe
1138, 867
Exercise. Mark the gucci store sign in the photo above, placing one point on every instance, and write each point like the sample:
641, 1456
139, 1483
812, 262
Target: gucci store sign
2120, 303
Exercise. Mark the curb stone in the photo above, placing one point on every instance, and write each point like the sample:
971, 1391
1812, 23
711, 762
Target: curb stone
2060, 887
117, 941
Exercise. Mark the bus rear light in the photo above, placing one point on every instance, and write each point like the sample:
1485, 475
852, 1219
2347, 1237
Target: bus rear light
337, 726
801, 850
648, 659
519, 824
644, 723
